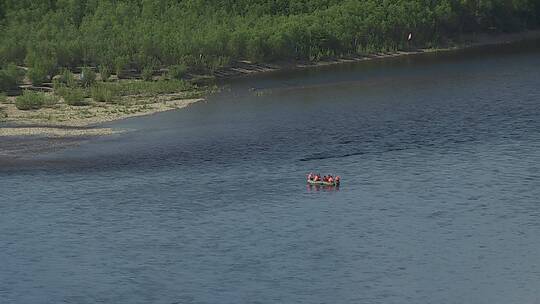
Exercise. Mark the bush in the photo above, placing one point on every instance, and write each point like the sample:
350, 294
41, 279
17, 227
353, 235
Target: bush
88, 77
104, 72
61, 89
177, 71
49, 101
120, 63
38, 75
10, 77
30, 100
41, 59
67, 78
75, 97
147, 73
102, 93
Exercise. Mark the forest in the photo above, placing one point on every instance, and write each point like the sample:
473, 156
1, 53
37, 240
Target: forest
202, 35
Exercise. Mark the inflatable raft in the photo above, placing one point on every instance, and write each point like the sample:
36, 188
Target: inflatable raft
321, 183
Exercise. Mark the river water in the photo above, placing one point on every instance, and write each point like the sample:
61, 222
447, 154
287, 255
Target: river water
440, 159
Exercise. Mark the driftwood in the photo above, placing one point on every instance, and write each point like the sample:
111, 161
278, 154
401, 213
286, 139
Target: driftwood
240, 68
129, 74
47, 89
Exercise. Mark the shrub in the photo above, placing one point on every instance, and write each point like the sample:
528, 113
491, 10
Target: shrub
61, 89
88, 77
102, 93
38, 75
153, 87
10, 77
75, 97
215, 63
120, 63
30, 100
147, 73
177, 71
49, 100
104, 72
42, 62
57, 84
68, 79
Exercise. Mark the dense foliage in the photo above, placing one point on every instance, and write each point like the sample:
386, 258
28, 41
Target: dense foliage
204, 34
10, 77
30, 100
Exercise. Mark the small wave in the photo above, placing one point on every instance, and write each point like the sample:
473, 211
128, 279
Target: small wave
332, 156
309, 158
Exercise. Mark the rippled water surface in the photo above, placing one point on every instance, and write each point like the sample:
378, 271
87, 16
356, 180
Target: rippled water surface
440, 158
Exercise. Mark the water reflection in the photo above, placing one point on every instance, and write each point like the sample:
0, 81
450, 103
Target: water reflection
317, 188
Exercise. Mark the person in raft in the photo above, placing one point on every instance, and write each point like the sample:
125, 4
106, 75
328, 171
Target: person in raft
326, 179
314, 177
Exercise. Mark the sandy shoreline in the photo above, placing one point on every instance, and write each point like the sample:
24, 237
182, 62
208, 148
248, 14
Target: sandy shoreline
56, 131
70, 121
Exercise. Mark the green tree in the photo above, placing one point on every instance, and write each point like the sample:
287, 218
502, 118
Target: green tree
204, 35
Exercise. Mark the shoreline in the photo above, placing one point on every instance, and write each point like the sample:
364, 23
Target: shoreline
82, 121
23, 141
246, 68
242, 68
69, 121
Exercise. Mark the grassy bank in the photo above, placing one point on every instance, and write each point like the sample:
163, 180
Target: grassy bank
71, 101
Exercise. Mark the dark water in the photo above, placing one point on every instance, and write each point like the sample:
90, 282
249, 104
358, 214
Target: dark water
440, 157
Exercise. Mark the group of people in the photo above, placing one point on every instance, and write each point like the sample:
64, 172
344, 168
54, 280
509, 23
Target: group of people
326, 179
